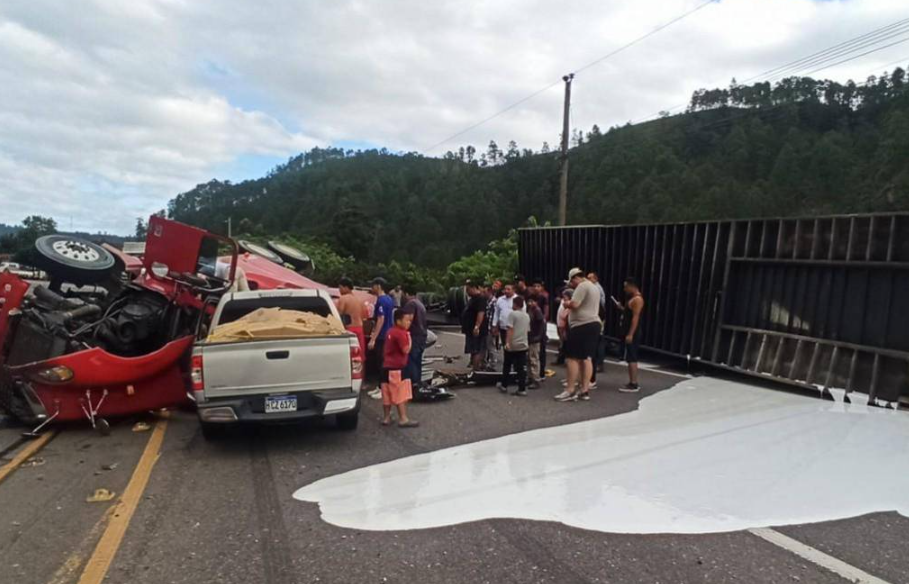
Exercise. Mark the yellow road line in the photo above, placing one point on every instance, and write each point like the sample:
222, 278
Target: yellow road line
97, 565
69, 570
30, 449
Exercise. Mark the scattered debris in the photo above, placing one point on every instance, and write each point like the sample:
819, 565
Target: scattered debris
141, 427
34, 461
100, 496
110, 466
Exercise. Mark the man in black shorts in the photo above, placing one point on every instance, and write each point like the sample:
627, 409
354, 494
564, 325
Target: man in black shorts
631, 323
583, 335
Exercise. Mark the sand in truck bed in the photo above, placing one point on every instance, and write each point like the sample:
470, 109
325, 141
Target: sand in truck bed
275, 323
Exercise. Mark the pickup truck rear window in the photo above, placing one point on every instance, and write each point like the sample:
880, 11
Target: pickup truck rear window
240, 308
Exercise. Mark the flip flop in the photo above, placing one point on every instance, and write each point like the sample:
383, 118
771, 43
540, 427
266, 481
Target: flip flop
408, 424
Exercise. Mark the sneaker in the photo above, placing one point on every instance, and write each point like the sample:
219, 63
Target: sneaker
584, 396
564, 383
534, 385
566, 397
501, 387
375, 394
630, 388
520, 393
593, 385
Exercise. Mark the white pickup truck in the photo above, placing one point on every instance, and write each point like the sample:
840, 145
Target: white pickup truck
285, 380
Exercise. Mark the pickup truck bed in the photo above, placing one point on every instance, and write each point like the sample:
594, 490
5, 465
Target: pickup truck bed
277, 380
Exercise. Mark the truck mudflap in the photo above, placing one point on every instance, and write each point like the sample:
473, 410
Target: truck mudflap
94, 383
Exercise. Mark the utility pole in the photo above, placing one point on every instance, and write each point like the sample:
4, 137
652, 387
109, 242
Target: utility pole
563, 182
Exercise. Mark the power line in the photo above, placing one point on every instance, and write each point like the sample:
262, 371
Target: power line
822, 58
843, 45
901, 41
587, 66
773, 111
646, 36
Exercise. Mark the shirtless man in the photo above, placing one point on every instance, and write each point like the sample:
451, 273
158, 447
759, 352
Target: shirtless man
631, 321
351, 311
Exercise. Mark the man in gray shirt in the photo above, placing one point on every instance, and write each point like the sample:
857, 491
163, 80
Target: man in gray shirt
583, 335
516, 346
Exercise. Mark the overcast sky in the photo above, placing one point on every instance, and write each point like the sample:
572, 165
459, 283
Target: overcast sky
109, 108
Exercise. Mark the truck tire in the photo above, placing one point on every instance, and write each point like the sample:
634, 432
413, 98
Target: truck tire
259, 250
213, 432
299, 259
72, 259
348, 422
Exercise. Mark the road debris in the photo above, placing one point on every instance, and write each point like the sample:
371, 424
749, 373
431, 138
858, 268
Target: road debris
100, 496
141, 427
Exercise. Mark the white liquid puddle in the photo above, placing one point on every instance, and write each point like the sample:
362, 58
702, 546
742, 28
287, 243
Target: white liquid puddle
704, 456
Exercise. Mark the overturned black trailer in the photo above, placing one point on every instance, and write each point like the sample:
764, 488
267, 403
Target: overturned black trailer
821, 302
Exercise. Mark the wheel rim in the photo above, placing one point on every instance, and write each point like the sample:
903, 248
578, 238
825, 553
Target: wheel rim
76, 251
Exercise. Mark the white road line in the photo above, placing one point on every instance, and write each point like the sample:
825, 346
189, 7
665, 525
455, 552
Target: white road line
644, 366
816, 556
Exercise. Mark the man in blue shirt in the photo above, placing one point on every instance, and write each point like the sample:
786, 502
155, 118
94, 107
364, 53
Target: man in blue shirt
384, 312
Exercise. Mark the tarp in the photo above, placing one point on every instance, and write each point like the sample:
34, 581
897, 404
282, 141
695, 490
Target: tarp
275, 323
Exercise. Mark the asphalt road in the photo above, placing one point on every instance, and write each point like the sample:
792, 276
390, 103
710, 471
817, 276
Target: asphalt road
224, 512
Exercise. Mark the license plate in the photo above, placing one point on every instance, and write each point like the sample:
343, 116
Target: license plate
282, 403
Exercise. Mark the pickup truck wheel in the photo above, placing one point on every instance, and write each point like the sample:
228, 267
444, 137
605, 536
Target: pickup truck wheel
213, 432
348, 422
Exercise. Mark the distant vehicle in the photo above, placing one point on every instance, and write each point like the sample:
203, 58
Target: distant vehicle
275, 380
21, 271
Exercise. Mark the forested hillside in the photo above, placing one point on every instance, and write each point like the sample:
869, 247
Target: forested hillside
802, 146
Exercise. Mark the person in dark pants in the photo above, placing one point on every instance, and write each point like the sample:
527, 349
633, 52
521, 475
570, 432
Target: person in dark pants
385, 307
542, 295
516, 346
475, 326
631, 319
418, 335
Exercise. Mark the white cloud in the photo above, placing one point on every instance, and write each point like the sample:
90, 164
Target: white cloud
110, 108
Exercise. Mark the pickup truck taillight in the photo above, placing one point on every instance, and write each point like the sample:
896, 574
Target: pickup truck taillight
196, 373
356, 360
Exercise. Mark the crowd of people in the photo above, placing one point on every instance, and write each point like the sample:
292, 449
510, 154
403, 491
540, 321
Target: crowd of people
510, 318
396, 343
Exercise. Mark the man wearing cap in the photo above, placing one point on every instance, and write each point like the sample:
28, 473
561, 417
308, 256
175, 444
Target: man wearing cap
384, 311
583, 335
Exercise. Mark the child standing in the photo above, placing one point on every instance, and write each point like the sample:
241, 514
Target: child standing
396, 388
516, 346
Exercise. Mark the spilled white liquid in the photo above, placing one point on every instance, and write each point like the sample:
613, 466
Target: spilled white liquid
705, 456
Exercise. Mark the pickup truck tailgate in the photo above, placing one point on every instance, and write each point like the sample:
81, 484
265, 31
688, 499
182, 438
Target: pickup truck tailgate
257, 367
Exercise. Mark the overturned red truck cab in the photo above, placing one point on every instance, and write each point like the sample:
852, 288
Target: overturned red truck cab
107, 337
